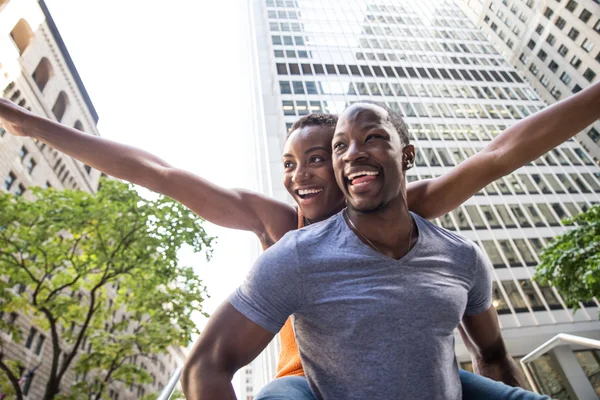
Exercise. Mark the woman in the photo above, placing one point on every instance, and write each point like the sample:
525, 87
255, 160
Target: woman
308, 175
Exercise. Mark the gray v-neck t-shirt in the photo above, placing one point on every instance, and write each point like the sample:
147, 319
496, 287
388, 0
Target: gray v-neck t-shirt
369, 326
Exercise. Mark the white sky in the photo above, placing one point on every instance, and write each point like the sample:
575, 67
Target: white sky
170, 77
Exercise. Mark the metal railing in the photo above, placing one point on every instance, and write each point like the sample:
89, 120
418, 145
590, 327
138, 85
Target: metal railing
168, 390
558, 340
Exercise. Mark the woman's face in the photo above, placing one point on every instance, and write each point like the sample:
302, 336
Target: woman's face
308, 173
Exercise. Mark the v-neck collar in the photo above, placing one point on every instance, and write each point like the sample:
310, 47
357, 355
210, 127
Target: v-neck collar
407, 257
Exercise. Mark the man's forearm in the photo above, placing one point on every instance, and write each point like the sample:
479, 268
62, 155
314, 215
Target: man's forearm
537, 134
504, 370
206, 384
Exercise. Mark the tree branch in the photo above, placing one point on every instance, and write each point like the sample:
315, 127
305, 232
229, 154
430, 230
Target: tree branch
66, 285
12, 378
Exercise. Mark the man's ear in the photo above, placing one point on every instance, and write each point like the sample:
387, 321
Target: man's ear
408, 157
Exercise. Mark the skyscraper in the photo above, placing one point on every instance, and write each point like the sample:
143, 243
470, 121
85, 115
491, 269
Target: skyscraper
457, 92
554, 44
37, 72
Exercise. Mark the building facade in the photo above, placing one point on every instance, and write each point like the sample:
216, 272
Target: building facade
554, 44
37, 72
456, 91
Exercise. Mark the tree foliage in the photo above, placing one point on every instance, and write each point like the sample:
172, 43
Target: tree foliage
98, 273
571, 262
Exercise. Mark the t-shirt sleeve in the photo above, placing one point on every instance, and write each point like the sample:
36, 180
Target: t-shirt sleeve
480, 294
272, 290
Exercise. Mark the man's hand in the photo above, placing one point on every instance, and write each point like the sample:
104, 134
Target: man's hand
490, 358
503, 370
13, 118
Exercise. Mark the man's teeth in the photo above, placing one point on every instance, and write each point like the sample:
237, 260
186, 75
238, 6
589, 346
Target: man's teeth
303, 192
354, 175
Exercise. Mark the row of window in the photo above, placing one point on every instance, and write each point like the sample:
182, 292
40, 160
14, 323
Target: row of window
341, 41
501, 216
517, 301
460, 75
373, 30
387, 9
404, 56
449, 157
415, 109
406, 89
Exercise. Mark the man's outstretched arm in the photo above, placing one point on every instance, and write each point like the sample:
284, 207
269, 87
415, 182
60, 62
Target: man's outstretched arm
488, 351
229, 341
523, 142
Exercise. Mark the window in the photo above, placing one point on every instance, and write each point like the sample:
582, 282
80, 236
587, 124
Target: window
30, 337
60, 106
534, 69
551, 39
594, 135
40, 344
560, 22
573, 34
42, 73
27, 384
22, 35
575, 62
285, 87
531, 44
544, 80
589, 75
23, 153
8, 182
571, 5
31, 165
542, 55
553, 66
20, 190
585, 15
539, 29
563, 50
587, 45
548, 13
597, 26
523, 58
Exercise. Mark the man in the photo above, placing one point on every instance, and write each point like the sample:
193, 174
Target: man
375, 291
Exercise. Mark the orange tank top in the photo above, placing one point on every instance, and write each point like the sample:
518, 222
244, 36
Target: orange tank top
289, 357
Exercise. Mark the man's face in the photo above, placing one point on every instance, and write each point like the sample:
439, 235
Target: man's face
368, 157
308, 173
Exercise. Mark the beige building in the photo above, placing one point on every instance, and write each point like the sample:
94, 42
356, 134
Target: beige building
37, 73
555, 44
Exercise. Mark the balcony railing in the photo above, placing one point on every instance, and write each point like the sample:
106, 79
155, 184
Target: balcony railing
558, 340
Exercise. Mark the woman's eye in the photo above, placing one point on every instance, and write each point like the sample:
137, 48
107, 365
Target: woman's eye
371, 137
287, 164
316, 159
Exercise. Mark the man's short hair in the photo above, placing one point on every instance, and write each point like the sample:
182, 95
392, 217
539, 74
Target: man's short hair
315, 119
395, 118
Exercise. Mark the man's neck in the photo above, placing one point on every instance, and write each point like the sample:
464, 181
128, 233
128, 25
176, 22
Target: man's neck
389, 229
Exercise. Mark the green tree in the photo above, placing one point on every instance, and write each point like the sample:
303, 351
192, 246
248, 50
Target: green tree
571, 262
98, 272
